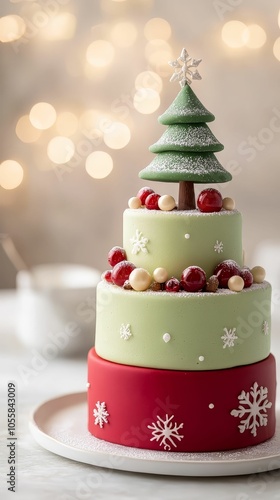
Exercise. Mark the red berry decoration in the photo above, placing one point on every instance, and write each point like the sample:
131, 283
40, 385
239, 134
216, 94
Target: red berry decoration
172, 285
121, 272
210, 200
151, 202
107, 276
116, 255
247, 276
226, 270
193, 279
143, 193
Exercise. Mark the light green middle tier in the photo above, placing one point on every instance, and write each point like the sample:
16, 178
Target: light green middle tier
178, 239
183, 331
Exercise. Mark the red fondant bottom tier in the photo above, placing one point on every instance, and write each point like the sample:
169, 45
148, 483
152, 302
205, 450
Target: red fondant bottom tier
186, 411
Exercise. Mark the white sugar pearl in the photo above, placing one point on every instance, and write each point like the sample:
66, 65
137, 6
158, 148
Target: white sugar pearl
140, 279
160, 275
166, 337
166, 202
201, 358
236, 283
258, 273
134, 202
187, 236
228, 204
211, 406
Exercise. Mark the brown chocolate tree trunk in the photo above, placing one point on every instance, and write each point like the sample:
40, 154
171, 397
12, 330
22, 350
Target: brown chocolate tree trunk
186, 196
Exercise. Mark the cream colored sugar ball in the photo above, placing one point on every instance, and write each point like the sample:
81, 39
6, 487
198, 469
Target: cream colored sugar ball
228, 204
236, 283
258, 273
134, 202
160, 274
166, 202
140, 279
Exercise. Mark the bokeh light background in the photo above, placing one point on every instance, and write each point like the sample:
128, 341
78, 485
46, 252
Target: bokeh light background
82, 85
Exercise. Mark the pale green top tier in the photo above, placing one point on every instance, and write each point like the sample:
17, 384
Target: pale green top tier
178, 239
181, 331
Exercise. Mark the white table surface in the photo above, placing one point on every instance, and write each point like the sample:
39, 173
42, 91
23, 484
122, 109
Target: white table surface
43, 475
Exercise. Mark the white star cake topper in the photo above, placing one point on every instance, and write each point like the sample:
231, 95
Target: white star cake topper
185, 69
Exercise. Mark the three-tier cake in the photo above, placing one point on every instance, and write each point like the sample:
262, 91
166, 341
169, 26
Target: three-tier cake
182, 356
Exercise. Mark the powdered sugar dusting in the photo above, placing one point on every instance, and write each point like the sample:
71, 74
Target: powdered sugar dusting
194, 112
185, 137
80, 439
182, 294
182, 213
178, 165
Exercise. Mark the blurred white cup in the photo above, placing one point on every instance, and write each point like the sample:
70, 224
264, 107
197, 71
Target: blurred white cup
56, 308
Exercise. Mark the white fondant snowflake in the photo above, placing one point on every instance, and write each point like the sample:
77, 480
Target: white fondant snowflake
165, 432
229, 337
139, 243
100, 413
265, 328
183, 69
254, 405
125, 331
219, 246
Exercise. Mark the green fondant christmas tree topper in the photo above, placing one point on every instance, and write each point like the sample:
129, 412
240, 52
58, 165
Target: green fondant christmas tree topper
185, 152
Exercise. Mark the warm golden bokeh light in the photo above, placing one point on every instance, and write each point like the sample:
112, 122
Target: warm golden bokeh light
29, 9
12, 28
146, 101
124, 34
255, 36
94, 123
235, 34
90, 118
11, 174
117, 136
115, 7
42, 115
99, 164
60, 149
160, 57
25, 130
157, 28
67, 123
156, 45
100, 53
149, 79
60, 27
158, 53
276, 48
95, 74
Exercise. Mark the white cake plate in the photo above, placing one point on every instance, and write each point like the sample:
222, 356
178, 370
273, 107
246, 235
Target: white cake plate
60, 426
